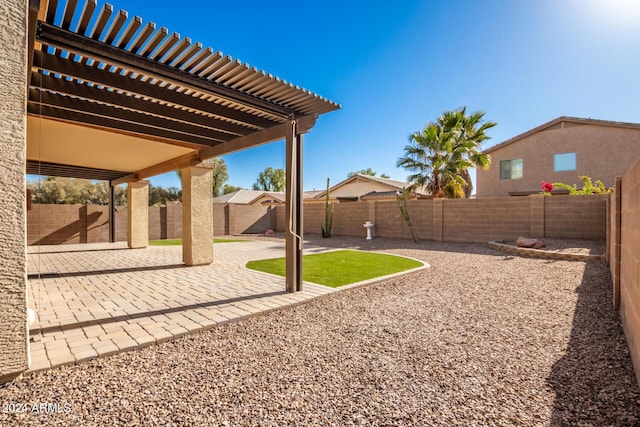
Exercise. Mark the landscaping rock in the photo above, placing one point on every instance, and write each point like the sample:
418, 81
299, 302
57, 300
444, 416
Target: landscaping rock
526, 242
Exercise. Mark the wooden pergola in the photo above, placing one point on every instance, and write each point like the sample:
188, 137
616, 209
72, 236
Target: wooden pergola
114, 98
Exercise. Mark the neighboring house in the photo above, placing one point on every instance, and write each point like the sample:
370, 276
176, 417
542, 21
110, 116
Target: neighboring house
561, 150
251, 197
365, 187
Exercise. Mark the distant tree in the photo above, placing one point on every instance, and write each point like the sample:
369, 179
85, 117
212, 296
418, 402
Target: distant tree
230, 189
441, 154
159, 196
220, 174
367, 171
57, 190
270, 180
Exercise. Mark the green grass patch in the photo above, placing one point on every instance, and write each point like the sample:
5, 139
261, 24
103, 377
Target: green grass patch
339, 268
175, 242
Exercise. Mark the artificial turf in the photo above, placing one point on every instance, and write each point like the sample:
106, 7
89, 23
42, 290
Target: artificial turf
339, 268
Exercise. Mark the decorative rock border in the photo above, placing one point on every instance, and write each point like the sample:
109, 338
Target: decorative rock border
541, 253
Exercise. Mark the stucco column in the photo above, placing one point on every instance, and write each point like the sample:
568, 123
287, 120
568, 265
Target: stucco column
14, 333
197, 214
138, 214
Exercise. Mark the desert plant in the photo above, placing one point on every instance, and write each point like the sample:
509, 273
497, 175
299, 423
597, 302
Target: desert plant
401, 198
328, 215
588, 187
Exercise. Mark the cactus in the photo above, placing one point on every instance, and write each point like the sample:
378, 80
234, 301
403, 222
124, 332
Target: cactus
404, 210
328, 215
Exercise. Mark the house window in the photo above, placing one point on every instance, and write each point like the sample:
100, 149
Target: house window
564, 162
511, 169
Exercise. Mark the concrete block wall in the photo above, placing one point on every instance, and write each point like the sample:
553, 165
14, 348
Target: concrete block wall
250, 219
348, 219
481, 220
59, 224
576, 217
467, 220
629, 264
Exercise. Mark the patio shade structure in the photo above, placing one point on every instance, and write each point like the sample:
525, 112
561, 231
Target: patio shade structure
114, 98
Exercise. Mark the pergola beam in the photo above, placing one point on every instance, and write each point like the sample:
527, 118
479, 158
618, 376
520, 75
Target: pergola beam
274, 133
93, 74
72, 42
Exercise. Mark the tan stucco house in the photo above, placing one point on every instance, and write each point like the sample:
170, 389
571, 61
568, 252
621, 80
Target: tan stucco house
365, 187
561, 150
252, 197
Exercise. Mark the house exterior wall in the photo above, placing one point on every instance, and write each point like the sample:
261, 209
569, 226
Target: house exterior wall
629, 261
358, 187
602, 152
14, 335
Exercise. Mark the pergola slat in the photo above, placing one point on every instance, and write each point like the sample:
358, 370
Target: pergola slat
167, 44
153, 43
188, 54
142, 37
85, 17
184, 43
68, 13
92, 74
117, 57
128, 33
110, 35
101, 22
51, 11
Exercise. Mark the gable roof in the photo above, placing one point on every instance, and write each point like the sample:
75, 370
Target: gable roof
394, 185
246, 197
557, 121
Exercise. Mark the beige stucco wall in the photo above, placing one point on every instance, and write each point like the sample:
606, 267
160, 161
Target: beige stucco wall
602, 152
14, 337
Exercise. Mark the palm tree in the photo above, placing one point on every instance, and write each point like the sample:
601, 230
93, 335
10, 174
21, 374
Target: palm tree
441, 154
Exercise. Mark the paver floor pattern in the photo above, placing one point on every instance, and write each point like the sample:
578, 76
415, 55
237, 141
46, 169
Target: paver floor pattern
98, 299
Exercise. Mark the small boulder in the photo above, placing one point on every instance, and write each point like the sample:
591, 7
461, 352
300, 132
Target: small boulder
526, 242
268, 233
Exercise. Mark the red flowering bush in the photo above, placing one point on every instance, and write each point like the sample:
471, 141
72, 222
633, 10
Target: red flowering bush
547, 187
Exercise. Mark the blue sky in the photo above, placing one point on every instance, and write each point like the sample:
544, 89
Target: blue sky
394, 66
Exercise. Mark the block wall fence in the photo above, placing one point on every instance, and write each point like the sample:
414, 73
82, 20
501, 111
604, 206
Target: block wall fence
467, 220
470, 220
624, 257
62, 224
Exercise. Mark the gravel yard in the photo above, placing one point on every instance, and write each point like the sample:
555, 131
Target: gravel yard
480, 338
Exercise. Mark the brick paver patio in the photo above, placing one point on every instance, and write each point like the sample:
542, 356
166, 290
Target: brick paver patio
95, 300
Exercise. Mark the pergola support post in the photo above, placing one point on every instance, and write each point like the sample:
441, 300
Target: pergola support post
197, 214
138, 214
112, 213
294, 208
